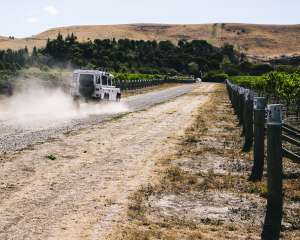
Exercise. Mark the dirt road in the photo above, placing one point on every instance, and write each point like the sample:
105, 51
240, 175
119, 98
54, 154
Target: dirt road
39, 115
77, 186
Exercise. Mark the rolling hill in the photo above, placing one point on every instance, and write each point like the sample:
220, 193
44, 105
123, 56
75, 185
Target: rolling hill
261, 41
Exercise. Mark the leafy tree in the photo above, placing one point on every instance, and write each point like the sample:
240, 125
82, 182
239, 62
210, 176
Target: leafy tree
186, 57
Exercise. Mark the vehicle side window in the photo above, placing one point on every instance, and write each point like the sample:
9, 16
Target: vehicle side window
98, 80
104, 80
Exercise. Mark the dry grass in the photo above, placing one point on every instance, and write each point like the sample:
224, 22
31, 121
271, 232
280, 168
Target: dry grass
254, 40
214, 134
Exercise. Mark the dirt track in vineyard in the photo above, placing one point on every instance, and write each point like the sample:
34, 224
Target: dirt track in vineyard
77, 185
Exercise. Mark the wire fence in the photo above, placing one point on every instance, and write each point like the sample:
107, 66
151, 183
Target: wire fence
144, 83
278, 124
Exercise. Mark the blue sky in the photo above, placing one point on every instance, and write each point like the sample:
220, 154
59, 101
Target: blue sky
26, 18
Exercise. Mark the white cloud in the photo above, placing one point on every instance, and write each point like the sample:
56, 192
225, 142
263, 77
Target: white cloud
51, 10
33, 20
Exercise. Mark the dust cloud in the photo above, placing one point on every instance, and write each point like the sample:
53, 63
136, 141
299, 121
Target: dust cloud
38, 106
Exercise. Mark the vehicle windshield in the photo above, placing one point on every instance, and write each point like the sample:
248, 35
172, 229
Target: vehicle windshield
86, 79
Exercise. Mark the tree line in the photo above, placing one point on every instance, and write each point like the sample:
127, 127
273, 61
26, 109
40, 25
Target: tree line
13, 60
196, 57
149, 57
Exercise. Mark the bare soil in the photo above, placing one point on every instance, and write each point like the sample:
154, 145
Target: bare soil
77, 185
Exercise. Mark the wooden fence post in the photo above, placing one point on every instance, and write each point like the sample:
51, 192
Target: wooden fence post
272, 224
259, 106
240, 104
235, 99
248, 121
230, 87
244, 110
229, 90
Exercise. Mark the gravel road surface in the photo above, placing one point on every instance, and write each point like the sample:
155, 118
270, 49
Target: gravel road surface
21, 134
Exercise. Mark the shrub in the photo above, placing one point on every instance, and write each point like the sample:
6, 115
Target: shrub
249, 68
137, 76
231, 70
215, 77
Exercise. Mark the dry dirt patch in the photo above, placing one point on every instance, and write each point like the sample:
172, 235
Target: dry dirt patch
210, 206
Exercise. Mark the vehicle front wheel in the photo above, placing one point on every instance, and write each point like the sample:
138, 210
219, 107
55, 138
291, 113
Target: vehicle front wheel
106, 96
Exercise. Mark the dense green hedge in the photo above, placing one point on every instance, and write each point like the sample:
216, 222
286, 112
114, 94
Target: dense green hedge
215, 77
137, 76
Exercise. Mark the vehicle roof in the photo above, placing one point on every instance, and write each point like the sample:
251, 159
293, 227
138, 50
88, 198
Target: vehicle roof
92, 72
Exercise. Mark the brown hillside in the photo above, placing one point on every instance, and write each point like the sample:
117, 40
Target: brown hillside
254, 40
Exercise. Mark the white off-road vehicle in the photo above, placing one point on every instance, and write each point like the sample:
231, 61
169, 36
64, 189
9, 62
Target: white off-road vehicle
94, 85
